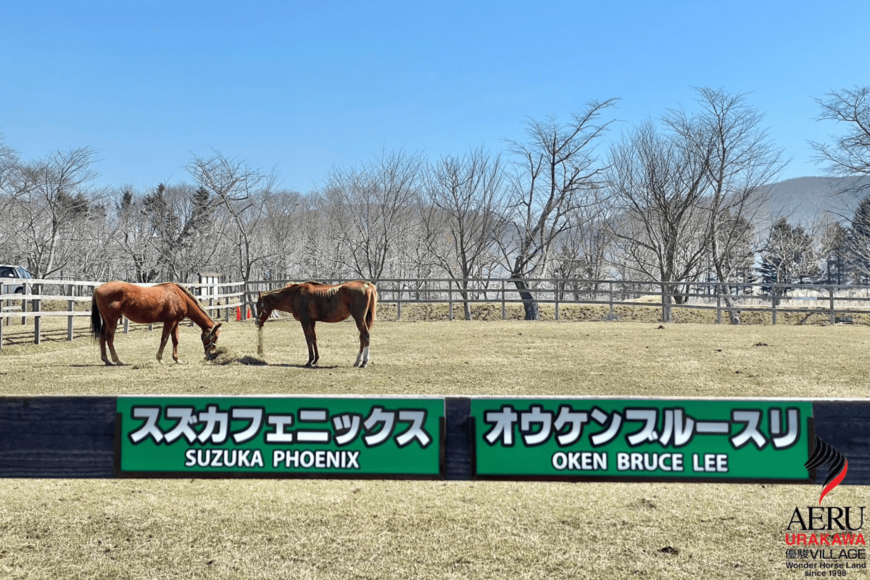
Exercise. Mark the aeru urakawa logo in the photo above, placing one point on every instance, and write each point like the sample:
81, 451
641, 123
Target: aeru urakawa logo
824, 454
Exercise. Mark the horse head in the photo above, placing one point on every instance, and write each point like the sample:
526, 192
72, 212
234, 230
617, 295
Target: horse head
209, 339
263, 308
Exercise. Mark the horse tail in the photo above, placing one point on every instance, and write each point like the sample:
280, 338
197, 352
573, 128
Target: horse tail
373, 305
96, 319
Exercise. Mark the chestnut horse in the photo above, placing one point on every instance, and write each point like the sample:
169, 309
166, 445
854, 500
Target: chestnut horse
312, 302
167, 303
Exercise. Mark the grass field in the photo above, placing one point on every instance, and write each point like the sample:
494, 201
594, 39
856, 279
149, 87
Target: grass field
394, 529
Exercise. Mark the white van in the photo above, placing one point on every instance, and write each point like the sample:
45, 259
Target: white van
7, 271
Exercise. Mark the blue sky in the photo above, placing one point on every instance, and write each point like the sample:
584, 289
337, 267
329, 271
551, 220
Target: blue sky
304, 87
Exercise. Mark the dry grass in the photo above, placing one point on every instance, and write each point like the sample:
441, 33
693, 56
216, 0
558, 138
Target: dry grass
387, 529
465, 358
343, 529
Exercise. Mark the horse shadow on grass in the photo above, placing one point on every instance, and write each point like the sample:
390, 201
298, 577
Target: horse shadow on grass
258, 362
314, 368
244, 360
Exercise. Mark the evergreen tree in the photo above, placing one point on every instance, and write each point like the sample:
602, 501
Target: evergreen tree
835, 250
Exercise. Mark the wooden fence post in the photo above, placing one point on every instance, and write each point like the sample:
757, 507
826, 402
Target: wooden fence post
69, 319
718, 304
610, 313
503, 309
398, 301
449, 300
833, 317
37, 320
773, 303
556, 297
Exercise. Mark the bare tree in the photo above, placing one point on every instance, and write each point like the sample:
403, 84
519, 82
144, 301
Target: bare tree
241, 192
323, 254
581, 251
849, 154
171, 233
8, 163
741, 163
48, 199
135, 237
370, 207
659, 188
461, 219
9, 234
556, 172
283, 233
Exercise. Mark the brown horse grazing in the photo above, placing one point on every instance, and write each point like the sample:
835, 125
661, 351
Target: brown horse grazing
167, 303
312, 302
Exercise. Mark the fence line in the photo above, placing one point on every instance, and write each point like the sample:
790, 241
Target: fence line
838, 302
210, 296
745, 297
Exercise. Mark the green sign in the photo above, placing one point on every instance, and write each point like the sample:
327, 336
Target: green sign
343, 437
658, 439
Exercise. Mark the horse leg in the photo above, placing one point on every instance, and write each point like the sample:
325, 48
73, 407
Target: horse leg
110, 339
362, 359
103, 338
167, 329
103, 356
308, 329
314, 343
175, 342
359, 356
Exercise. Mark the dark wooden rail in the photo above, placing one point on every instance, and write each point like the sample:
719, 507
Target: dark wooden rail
75, 437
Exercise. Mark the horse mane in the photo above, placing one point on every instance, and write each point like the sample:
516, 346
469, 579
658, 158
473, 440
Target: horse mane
194, 299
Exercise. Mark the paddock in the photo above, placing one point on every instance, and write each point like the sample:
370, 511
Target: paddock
427, 529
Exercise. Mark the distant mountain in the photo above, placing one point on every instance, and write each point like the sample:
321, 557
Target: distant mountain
803, 199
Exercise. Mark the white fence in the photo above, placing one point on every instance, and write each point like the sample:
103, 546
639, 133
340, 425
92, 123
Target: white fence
227, 300
835, 301
216, 298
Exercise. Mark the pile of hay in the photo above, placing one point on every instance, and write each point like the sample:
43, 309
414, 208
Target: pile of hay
226, 356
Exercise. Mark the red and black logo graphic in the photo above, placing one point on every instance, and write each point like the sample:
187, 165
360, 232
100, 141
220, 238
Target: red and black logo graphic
824, 454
